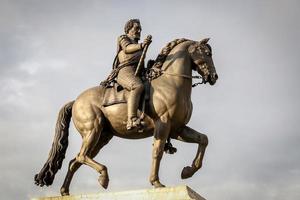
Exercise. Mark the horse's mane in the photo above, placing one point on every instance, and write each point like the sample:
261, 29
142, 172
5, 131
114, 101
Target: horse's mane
154, 66
160, 59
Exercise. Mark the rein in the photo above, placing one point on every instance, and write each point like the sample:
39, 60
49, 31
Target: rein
185, 76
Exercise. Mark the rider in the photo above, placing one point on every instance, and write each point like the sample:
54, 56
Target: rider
129, 54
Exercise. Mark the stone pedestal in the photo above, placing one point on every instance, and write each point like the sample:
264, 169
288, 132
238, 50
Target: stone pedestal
168, 193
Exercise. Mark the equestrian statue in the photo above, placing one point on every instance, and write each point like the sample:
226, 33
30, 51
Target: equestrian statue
135, 102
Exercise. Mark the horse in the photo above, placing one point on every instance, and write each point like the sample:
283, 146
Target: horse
170, 109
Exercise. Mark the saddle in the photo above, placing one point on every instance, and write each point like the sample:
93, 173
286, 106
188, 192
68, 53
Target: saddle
116, 94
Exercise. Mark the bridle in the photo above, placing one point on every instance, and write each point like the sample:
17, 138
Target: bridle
186, 76
203, 67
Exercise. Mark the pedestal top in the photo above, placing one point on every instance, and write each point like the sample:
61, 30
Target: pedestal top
167, 193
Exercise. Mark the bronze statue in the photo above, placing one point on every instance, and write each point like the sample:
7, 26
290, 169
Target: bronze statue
169, 109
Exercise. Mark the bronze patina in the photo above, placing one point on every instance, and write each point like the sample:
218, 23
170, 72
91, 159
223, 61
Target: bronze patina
169, 110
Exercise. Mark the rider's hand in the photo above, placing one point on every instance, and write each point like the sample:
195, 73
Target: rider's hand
147, 41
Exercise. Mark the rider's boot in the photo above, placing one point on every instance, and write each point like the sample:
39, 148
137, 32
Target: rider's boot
133, 103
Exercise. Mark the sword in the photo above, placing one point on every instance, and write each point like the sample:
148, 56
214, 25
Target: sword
138, 68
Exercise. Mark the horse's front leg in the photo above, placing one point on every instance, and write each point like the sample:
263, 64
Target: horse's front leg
161, 133
189, 135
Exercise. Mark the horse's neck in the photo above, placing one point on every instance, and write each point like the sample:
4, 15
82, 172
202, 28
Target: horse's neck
178, 65
172, 88
178, 60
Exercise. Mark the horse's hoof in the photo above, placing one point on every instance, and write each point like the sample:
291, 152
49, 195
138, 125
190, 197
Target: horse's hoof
157, 184
187, 172
64, 192
103, 180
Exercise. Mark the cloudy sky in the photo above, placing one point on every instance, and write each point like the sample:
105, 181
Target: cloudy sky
50, 51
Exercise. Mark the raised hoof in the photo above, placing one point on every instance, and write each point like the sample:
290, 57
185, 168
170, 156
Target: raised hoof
157, 184
103, 180
64, 192
188, 172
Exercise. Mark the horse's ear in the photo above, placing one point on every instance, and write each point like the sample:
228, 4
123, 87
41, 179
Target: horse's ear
204, 41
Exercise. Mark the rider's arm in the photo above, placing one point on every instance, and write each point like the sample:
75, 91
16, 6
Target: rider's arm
133, 48
127, 46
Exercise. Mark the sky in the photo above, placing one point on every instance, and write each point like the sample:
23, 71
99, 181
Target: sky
51, 51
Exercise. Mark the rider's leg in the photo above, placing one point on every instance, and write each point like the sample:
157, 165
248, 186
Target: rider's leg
133, 104
128, 80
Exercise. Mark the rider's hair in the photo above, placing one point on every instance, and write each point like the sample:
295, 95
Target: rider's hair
130, 24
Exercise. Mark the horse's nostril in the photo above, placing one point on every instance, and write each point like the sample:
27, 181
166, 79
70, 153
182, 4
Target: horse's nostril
216, 76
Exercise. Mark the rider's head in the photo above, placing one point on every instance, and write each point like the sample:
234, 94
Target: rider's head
133, 29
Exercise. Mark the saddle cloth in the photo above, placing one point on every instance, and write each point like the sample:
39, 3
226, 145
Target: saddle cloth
116, 94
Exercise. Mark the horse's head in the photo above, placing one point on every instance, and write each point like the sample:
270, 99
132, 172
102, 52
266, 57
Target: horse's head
201, 55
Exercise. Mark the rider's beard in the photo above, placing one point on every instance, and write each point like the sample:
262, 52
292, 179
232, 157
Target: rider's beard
137, 36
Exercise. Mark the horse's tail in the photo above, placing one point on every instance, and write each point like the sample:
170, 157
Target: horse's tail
59, 147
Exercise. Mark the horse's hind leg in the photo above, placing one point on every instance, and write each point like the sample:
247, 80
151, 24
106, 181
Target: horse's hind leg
90, 127
74, 164
189, 135
89, 142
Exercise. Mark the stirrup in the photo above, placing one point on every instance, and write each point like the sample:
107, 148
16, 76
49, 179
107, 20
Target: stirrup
134, 123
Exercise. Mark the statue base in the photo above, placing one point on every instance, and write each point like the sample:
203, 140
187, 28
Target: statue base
167, 193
